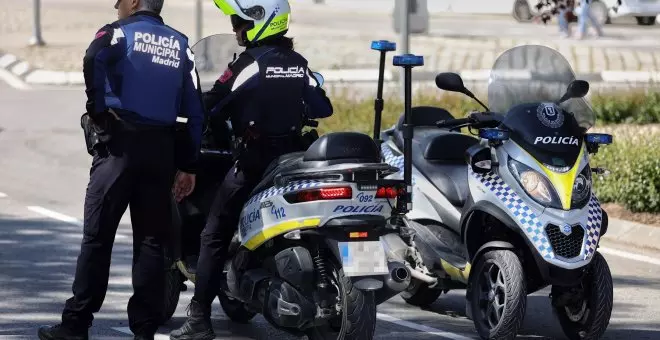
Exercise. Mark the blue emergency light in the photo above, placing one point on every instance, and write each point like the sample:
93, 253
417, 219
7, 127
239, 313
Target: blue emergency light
494, 134
383, 45
408, 60
598, 138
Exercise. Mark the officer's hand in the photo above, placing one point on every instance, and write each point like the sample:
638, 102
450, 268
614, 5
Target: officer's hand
184, 184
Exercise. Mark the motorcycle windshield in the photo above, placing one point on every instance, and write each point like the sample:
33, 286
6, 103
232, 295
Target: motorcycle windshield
525, 84
535, 74
212, 57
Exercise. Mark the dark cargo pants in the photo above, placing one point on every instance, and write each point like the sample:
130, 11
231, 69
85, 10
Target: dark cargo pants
137, 169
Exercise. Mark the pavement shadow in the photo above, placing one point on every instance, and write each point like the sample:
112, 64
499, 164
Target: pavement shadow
540, 321
37, 266
635, 281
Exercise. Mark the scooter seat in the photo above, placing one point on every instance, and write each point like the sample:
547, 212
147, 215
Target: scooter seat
441, 159
330, 149
286, 162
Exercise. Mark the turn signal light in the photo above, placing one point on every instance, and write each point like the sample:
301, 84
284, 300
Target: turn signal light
360, 234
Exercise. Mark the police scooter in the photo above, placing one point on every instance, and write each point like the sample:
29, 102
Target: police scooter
512, 211
316, 250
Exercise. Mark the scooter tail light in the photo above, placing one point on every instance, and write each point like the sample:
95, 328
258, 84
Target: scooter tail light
320, 194
388, 192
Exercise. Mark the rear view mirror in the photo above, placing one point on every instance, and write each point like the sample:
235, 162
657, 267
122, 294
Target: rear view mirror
319, 78
478, 157
576, 89
450, 81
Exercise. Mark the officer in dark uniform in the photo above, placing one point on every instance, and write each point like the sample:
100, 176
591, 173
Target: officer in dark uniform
140, 75
264, 93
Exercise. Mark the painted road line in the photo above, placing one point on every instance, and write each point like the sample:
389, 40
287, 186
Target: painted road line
422, 328
54, 215
13, 80
63, 218
3, 195
630, 256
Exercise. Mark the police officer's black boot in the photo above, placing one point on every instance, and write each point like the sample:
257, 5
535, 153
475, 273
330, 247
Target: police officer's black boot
60, 332
198, 326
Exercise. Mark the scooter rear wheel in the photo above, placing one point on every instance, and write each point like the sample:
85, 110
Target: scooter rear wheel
498, 295
419, 294
235, 309
588, 318
358, 314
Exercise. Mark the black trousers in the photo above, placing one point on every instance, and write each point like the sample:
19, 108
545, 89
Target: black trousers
220, 227
225, 212
137, 170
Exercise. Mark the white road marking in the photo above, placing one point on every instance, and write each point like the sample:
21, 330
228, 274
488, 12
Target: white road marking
630, 256
54, 215
64, 218
422, 328
3, 195
13, 80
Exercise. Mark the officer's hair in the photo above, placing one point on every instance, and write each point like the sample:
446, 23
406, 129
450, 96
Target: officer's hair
152, 5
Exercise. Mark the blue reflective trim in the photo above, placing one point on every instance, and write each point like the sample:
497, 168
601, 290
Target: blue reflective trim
408, 60
383, 45
494, 134
599, 138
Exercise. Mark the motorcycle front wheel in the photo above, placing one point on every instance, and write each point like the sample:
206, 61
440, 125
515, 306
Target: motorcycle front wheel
498, 295
357, 319
588, 317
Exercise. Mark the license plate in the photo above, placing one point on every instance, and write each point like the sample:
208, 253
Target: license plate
363, 258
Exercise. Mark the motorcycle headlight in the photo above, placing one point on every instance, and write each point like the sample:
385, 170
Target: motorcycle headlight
581, 189
536, 185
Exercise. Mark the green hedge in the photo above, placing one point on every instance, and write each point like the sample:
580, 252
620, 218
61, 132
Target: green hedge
634, 162
633, 159
638, 107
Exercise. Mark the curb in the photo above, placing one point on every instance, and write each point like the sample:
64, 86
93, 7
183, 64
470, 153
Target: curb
35, 76
633, 234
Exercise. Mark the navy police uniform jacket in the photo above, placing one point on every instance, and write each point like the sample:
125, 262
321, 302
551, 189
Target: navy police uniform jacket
145, 71
268, 88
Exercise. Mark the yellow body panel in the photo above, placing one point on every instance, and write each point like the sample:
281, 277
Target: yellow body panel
563, 182
455, 273
276, 230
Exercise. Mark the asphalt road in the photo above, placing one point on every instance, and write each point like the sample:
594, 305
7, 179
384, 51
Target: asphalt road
43, 175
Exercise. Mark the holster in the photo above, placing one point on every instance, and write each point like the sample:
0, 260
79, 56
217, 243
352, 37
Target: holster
95, 136
255, 154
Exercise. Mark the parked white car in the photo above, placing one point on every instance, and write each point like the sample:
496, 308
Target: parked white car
645, 11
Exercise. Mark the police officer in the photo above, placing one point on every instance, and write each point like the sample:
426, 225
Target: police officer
139, 75
264, 92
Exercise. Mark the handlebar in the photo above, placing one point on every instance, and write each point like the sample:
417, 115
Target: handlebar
453, 122
311, 123
476, 119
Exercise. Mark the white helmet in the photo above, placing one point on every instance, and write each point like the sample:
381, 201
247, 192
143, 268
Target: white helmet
268, 18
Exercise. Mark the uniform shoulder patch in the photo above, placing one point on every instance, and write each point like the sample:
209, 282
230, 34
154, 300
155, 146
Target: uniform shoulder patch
100, 34
226, 76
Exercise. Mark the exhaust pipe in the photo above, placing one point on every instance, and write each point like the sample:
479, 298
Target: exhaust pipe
395, 248
396, 281
399, 274
421, 276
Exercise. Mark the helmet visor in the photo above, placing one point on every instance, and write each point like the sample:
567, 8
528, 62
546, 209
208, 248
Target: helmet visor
238, 22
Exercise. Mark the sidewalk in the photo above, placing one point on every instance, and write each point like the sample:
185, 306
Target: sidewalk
69, 26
